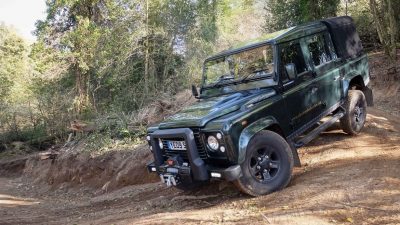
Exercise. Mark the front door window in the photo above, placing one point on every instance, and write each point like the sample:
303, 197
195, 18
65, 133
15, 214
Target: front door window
291, 53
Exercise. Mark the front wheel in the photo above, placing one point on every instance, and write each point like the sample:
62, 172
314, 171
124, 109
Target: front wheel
268, 164
356, 112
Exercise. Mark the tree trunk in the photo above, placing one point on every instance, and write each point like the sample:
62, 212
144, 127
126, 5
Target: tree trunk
81, 89
387, 28
393, 27
379, 23
146, 62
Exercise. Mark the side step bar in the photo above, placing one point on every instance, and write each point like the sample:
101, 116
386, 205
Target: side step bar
310, 136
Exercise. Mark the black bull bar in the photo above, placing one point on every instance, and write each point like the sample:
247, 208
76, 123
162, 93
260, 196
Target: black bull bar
197, 165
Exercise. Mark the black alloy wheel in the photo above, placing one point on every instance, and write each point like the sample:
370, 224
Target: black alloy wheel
264, 164
268, 164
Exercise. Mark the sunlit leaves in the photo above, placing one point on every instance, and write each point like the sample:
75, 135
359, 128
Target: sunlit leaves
286, 13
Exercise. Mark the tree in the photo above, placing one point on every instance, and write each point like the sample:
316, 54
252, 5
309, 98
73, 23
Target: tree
15, 71
123, 53
387, 24
12, 50
287, 13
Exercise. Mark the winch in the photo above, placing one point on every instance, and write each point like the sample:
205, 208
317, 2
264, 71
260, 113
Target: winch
168, 179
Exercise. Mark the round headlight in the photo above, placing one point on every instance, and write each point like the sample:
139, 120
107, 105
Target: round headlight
160, 144
148, 137
212, 142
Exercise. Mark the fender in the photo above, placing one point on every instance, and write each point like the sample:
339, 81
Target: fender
345, 87
249, 132
364, 88
346, 80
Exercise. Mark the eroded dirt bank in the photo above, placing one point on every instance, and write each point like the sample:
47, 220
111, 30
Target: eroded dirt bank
343, 180
71, 168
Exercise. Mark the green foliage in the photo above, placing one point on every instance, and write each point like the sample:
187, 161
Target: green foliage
287, 13
94, 58
387, 23
114, 132
15, 70
121, 53
12, 61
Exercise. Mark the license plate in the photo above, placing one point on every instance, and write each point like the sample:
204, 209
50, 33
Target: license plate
177, 145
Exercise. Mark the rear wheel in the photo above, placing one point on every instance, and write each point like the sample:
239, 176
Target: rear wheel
356, 112
268, 164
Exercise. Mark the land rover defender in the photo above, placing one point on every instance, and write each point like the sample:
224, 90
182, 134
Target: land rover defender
261, 101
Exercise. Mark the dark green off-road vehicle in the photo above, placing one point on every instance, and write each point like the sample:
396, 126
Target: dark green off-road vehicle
261, 101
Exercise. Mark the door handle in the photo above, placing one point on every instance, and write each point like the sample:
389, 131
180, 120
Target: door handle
336, 78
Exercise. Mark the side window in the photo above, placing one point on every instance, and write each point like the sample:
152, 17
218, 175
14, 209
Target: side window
329, 42
319, 50
291, 53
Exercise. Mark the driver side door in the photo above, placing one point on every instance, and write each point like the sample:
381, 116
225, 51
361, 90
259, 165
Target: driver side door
300, 93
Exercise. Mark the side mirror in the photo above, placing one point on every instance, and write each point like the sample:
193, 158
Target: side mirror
291, 70
195, 93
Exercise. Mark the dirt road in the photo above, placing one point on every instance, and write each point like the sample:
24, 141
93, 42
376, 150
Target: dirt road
343, 180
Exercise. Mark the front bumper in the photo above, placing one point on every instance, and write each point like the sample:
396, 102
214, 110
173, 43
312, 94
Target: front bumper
196, 169
229, 174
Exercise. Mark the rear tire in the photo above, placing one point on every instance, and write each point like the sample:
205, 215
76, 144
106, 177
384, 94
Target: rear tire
268, 164
356, 112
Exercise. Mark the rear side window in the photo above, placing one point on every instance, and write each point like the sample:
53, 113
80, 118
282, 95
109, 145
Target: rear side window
291, 53
319, 49
329, 42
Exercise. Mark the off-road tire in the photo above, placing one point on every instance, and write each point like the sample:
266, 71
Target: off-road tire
356, 112
270, 142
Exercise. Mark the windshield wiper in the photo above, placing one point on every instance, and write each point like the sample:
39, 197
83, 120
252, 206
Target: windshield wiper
242, 80
221, 80
251, 75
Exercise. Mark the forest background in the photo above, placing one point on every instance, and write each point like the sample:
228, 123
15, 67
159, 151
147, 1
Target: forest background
106, 63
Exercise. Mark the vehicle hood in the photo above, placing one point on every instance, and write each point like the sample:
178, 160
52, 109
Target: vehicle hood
205, 110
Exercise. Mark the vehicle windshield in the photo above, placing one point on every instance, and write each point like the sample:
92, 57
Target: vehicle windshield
254, 63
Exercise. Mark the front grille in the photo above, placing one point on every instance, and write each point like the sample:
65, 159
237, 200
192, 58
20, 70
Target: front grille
199, 143
183, 153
